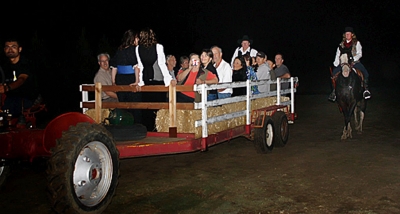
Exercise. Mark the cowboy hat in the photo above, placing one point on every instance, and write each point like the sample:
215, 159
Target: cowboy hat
245, 38
349, 29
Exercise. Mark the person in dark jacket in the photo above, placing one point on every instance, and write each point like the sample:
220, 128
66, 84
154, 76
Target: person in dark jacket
125, 71
153, 71
239, 74
19, 85
206, 57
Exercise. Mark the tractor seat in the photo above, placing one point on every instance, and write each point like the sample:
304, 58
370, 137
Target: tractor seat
38, 105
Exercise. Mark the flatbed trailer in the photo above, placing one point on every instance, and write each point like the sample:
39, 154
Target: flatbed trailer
161, 143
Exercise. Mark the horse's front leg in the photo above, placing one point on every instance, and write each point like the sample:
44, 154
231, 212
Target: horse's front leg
349, 130
344, 135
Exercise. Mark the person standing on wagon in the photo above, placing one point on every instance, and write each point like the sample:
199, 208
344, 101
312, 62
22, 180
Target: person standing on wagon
245, 43
153, 71
353, 48
125, 71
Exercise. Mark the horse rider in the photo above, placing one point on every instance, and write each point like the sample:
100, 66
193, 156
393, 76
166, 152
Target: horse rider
353, 48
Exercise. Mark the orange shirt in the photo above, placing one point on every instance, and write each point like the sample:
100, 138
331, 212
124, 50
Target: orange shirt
191, 80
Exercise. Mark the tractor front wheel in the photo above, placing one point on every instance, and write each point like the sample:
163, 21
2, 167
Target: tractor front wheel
83, 170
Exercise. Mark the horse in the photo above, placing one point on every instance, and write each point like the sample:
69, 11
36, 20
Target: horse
349, 97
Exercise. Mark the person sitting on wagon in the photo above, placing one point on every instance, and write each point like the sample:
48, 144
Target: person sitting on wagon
206, 58
170, 61
193, 75
353, 48
224, 71
19, 86
280, 70
263, 70
244, 48
239, 74
251, 74
104, 76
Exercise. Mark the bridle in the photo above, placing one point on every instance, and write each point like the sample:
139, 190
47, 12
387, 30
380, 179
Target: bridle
345, 63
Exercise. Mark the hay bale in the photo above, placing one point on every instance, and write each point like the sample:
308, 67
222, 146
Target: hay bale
185, 119
105, 113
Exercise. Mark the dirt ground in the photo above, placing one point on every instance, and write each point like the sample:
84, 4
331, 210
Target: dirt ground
315, 172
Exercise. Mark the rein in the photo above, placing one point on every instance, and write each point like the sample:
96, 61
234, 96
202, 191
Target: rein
345, 63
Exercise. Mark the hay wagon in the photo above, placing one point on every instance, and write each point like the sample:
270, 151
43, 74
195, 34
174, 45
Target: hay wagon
84, 155
188, 127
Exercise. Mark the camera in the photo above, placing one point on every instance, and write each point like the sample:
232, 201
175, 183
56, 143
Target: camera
195, 62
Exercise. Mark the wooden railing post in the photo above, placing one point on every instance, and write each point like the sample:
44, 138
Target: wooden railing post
172, 111
98, 102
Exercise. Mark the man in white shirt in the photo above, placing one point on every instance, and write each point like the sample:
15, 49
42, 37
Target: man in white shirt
224, 71
245, 48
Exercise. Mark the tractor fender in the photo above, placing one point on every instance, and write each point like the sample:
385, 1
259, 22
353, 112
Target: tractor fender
55, 128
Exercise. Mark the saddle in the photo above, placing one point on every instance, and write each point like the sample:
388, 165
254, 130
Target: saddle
357, 71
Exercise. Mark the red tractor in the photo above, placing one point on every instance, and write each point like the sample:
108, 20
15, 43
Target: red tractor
84, 152
82, 160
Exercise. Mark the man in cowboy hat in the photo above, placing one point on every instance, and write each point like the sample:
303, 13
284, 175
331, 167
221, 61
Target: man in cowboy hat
244, 48
352, 47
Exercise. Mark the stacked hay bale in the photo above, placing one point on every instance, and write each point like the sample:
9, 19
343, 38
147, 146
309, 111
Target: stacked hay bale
105, 113
185, 119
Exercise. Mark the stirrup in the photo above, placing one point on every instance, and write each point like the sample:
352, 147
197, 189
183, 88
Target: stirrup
367, 94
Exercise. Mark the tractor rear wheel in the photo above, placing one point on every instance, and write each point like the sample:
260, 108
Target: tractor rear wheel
83, 170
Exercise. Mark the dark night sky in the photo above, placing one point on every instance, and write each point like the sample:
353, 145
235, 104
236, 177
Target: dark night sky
306, 32
284, 26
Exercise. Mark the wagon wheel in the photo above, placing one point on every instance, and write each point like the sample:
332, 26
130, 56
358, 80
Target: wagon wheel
281, 128
263, 137
4, 173
83, 170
